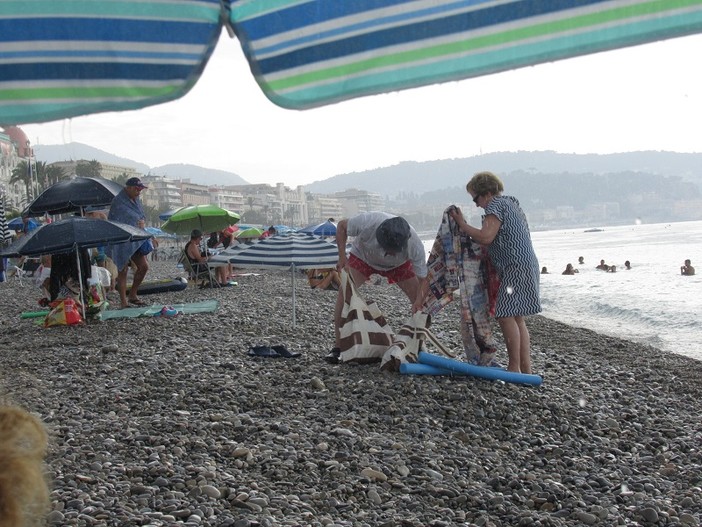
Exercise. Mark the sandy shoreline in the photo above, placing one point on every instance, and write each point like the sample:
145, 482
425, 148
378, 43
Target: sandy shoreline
167, 421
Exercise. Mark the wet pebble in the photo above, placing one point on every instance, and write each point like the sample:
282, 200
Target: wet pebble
148, 426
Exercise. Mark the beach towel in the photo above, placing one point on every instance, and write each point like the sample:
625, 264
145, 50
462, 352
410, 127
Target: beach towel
457, 263
125, 210
207, 306
365, 334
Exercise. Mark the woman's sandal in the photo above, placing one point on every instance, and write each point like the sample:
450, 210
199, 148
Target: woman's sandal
137, 302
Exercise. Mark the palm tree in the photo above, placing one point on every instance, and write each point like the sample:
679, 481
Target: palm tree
90, 169
22, 174
53, 174
40, 177
250, 200
122, 178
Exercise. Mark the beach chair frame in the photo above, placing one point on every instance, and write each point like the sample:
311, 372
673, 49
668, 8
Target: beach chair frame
204, 273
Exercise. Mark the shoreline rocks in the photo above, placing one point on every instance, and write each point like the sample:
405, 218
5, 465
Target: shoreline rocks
167, 421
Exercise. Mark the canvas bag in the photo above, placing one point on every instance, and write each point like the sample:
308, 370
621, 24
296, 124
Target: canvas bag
409, 341
364, 333
406, 343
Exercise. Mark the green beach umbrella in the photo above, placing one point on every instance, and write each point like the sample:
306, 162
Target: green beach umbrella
251, 232
207, 218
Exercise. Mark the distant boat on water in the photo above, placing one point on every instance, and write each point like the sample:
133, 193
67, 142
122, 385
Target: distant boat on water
593, 230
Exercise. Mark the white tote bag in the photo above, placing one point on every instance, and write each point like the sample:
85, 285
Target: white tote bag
365, 334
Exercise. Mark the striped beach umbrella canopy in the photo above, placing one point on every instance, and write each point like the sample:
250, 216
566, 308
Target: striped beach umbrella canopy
287, 251
63, 59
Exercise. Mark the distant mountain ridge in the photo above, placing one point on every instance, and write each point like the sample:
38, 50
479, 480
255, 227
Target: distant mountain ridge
196, 174
419, 177
426, 176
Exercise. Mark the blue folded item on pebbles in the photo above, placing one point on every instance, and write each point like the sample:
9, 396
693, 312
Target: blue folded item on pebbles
284, 352
263, 351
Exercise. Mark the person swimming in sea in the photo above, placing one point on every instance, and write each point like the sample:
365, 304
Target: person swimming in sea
603, 266
687, 269
569, 269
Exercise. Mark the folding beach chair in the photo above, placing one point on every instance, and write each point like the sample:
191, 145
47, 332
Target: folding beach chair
201, 272
23, 268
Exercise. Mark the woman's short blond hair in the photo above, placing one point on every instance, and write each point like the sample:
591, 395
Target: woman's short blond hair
484, 182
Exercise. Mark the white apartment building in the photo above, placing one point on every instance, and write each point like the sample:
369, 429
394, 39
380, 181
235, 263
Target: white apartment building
279, 204
194, 194
354, 201
227, 199
320, 208
163, 193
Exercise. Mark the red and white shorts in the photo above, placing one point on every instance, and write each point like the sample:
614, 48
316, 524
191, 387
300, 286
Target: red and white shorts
397, 274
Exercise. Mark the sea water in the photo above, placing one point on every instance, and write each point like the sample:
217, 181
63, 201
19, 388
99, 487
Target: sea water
652, 303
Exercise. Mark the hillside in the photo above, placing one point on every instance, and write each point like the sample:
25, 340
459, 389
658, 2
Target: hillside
197, 174
412, 176
546, 170
76, 151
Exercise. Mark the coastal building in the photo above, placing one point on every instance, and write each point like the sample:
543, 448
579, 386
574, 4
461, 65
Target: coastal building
107, 170
163, 193
193, 193
274, 205
321, 207
14, 148
227, 199
354, 200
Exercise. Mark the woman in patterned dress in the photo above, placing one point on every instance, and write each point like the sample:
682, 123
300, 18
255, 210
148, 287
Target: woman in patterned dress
506, 233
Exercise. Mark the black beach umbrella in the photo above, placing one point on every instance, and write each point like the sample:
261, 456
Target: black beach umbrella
73, 195
72, 235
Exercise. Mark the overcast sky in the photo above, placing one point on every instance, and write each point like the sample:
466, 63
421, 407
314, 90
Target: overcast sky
642, 98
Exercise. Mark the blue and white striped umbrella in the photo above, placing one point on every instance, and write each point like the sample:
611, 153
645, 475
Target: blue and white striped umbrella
287, 251
60, 59
5, 233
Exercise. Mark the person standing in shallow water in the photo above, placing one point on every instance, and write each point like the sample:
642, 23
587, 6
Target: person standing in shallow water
506, 233
687, 269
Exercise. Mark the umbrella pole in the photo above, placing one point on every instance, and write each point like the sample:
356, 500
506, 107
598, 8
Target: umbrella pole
292, 267
80, 282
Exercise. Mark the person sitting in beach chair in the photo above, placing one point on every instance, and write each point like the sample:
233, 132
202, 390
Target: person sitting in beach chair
198, 261
327, 279
64, 279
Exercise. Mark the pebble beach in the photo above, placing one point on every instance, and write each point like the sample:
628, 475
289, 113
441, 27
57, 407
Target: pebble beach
167, 421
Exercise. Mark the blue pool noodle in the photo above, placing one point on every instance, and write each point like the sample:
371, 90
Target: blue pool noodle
484, 372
